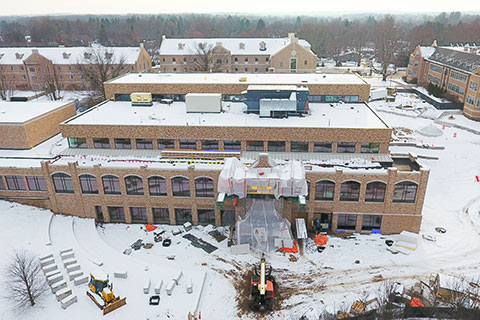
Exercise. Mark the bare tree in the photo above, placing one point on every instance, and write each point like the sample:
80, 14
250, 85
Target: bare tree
386, 41
7, 87
25, 283
208, 58
98, 65
49, 82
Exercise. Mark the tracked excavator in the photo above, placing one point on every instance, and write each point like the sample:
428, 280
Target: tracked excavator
101, 292
262, 285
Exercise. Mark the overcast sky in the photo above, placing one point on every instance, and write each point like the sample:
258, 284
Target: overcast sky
260, 7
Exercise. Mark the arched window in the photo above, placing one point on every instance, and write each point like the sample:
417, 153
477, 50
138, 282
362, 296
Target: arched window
88, 183
349, 191
111, 184
62, 182
375, 192
324, 190
157, 186
134, 185
180, 187
204, 187
405, 192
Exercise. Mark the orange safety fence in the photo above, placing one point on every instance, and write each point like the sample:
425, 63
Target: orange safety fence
293, 249
321, 239
415, 302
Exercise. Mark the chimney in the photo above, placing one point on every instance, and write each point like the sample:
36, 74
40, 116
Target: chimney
181, 46
292, 38
34, 51
434, 44
142, 45
164, 37
241, 45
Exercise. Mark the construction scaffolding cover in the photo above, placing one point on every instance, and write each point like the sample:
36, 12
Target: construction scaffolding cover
262, 225
281, 180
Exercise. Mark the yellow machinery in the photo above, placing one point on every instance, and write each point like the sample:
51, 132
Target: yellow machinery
100, 291
141, 99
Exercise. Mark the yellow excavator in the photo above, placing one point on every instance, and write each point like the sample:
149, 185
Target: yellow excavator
101, 292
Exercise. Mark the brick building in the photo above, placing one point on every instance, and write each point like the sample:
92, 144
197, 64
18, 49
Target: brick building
454, 69
161, 164
27, 68
246, 55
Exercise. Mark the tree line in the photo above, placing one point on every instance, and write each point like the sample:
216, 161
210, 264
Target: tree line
327, 35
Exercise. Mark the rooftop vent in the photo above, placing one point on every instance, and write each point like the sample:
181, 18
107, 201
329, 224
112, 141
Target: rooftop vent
18, 55
108, 55
66, 55
1, 55
263, 46
241, 45
87, 55
181, 46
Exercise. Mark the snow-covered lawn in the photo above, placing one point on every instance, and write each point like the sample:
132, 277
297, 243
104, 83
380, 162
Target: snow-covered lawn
309, 285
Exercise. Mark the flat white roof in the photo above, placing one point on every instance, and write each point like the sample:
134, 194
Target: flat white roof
20, 112
235, 78
323, 115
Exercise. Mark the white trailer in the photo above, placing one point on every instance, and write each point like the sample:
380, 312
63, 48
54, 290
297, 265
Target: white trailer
378, 94
203, 102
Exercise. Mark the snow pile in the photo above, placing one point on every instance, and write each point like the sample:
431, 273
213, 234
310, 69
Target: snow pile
430, 131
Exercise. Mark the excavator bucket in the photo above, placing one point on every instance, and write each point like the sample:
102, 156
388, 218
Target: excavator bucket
114, 305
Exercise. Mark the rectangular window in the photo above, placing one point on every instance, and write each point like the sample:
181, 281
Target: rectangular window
209, 145
31, 69
77, 142
246, 60
458, 76
299, 146
256, 59
144, 143
346, 147
473, 85
276, 146
138, 214
371, 147
255, 146
455, 88
478, 102
232, 145
347, 221
435, 68
183, 215
166, 144
206, 216
433, 79
322, 147
101, 143
15, 183
99, 213
121, 143
117, 214
161, 215
470, 100
36, 183
371, 222
188, 144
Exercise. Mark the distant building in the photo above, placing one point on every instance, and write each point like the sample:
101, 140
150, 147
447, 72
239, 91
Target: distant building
25, 68
455, 69
249, 55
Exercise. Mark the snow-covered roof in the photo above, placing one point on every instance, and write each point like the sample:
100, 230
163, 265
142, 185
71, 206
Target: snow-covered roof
323, 115
237, 46
64, 55
244, 78
426, 52
20, 112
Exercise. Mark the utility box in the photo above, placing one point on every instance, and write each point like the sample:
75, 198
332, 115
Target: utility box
141, 99
203, 102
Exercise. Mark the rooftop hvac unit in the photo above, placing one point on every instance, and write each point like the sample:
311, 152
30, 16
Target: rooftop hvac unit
203, 102
141, 99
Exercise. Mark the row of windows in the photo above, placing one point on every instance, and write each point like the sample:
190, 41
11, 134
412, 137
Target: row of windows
235, 60
433, 79
455, 88
349, 222
162, 215
458, 76
404, 191
17, 183
470, 100
157, 186
232, 145
435, 68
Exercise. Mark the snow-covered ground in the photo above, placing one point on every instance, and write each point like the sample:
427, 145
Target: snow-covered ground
316, 281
